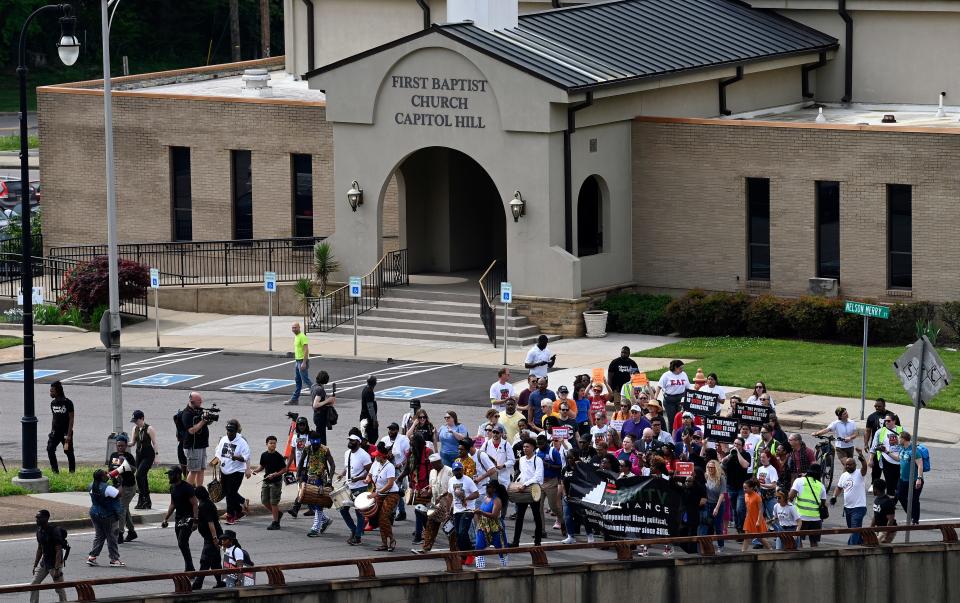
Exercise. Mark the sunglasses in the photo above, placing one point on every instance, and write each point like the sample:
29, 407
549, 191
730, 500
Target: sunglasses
488, 430
448, 417
564, 408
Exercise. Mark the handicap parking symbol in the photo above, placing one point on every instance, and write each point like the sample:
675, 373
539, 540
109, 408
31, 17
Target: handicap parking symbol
405, 392
162, 380
260, 385
37, 374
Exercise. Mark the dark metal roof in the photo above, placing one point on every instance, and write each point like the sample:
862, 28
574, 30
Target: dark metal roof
614, 42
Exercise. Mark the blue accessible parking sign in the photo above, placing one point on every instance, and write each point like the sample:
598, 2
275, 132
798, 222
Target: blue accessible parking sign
162, 380
260, 385
405, 392
37, 374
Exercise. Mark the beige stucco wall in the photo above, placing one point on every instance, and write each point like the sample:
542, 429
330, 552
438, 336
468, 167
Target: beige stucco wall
691, 176
903, 52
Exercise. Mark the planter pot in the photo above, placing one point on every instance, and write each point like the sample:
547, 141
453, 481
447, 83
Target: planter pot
596, 323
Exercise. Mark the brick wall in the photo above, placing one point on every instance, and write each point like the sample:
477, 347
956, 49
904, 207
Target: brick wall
689, 213
72, 165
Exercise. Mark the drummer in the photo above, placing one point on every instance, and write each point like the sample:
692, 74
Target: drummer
465, 494
531, 472
356, 465
318, 465
440, 502
383, 478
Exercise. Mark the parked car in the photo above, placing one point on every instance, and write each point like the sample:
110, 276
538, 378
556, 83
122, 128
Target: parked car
10, 194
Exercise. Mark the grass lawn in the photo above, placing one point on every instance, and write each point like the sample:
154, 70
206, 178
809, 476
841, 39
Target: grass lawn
12, 143
9, 342
802, 366
76, 482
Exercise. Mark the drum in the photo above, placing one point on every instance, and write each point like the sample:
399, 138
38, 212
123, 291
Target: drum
367, 503
341, 497
423, 496
313, 495
441, 511
532, 494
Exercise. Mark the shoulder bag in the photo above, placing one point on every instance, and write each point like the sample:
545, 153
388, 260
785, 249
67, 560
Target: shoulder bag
824, 511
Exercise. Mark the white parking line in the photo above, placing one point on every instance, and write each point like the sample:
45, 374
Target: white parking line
145, 365
290, 361
403, 375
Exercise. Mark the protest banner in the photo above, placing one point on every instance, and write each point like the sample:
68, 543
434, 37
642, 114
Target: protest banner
718, 429
751, 414
702, 404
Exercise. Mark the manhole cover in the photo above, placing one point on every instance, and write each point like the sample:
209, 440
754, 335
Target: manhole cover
803, 413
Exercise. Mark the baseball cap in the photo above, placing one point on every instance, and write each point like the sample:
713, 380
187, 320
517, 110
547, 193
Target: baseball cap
434, 457
598, 414
562, 389
354, 436
122, 437
393, 426
688, 415
456, 466
636, 407
137, 414
229, 534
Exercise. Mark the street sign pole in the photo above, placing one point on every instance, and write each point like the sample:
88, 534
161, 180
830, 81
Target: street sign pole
269, 322
355, 290
915, 440
354, 327
155, 285
863, 371
505, 334
506, 298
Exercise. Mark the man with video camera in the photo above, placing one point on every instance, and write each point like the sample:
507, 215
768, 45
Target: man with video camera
192, 430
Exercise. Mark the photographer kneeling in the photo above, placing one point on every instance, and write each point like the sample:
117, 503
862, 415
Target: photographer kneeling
192, 430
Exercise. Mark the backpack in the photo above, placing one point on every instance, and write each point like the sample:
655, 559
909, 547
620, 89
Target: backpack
332, 417
64, 545
925, 456
178, 423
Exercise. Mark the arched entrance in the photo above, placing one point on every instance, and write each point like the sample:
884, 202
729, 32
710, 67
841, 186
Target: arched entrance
449, 214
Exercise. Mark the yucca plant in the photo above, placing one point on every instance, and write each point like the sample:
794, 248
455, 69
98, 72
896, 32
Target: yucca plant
324, 264
303, 289
926, 327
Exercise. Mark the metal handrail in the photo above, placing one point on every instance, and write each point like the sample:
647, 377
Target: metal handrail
454, 559
488, 315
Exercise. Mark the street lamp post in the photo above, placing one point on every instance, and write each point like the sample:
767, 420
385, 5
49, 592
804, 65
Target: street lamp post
69, 50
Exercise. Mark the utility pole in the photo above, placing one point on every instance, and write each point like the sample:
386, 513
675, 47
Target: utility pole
264, 28
235, 30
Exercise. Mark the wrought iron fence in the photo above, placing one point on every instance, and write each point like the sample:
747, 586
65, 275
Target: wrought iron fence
233, 262
10, 247
490, 281
49, 274
336, 308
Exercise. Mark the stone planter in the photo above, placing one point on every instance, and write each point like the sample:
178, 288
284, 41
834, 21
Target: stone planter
596, 323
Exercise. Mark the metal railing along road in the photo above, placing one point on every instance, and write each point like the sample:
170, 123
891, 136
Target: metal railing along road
335, 308
232, 262
454, 561
49, 273
490, 290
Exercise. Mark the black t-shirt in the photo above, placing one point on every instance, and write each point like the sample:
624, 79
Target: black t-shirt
61, 409
315, 391
271, 463
883, 506
690, 499
190, 417
208, 513
875, 421
181, 495
426, 430
368, 404
49, 538
619, 372
736, 473
129, 478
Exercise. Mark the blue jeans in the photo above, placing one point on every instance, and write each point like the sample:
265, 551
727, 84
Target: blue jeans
420, 520
462, 523
779, 543
739, 510
711, 525
356, 528
854, 518
301, 378
571, 522
448, 457
903, 491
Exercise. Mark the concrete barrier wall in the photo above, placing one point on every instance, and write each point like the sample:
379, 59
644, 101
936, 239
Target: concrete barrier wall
234, 299
890, 574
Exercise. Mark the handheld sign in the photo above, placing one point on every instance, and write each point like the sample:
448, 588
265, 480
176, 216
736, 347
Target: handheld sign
617, 425
751, 414
154, 278
560, 432
702, 404
506, 293
355, 286
719, 429
598, 376
683, 469
270, 282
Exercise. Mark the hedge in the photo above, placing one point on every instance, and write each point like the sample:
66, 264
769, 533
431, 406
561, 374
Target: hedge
632, 313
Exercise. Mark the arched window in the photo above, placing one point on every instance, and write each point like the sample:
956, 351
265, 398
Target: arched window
590, 218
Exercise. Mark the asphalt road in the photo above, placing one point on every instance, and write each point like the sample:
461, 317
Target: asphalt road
264, 413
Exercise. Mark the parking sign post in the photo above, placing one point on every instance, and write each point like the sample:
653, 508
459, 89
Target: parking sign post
356, 288
155, 285
506, 296
270, 286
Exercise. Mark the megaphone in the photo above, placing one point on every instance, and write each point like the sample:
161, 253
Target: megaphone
124, 468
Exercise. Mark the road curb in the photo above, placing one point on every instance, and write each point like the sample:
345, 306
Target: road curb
15, 326
802, 425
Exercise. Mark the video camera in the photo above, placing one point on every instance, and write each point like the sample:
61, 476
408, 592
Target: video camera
212, 414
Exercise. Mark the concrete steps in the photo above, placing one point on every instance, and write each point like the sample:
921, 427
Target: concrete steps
438, 315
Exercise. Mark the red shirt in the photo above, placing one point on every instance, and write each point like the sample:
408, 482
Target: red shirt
678, 420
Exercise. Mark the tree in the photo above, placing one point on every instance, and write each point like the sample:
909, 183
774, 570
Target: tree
235, 53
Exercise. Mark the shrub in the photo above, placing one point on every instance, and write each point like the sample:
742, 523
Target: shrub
901, 327
637, 313
46, 314
699, 314
950, 315
86, 283
815, 318
684, 316
97, 314
766, 316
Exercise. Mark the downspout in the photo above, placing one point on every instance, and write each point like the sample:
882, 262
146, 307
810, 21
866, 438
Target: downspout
426, 13
805, 74
847, 52
567, 170
557, 4
722, 89
310, 34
